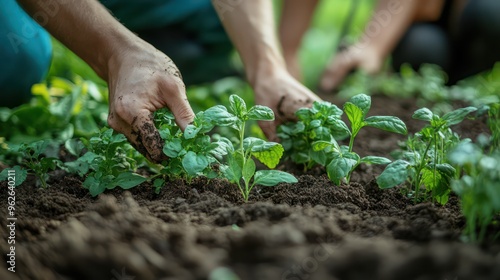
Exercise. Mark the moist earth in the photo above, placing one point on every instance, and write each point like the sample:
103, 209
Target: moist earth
204, 230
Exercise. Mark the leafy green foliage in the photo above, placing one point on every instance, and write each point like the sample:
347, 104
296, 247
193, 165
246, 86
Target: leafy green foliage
193, 152
342, 160
477, 188
313, 139
109, 162
240, 167
38, 157
59, 110
423, 159
318, 123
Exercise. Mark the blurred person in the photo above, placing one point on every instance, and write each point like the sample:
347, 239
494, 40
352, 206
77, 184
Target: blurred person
143, 79
461, 36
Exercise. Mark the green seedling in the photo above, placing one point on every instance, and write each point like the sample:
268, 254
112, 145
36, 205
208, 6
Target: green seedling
193, 152
38, 157
478, 187
318, 123
341, 161
423, 161
241, 167
109, 162
494, 125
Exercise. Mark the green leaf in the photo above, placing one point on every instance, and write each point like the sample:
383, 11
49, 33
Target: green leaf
394, 174
325, 108
38, 147
438, 183
260, 113
17, 173
321, 145
423, 114
128, 180
233, 171
237, 106
219, 116
158, 183
269, 153
74, 146
304, 114
446, 170
375, 160
271, 178
457, 116
363, 102
173, 148
93, 185
320, 133
191, 131
355, 116
79, 167
387, 123
339, 168
194, 164
248, 170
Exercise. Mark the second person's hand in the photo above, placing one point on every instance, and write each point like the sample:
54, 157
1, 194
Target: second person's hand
284, 95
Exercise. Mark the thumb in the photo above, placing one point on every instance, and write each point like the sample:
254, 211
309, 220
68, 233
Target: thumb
182, 111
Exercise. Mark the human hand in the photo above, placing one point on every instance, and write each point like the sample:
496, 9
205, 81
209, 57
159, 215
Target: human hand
354, 57
142, 81
284, 95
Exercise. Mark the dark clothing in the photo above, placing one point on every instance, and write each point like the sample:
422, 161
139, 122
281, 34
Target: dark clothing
472, 47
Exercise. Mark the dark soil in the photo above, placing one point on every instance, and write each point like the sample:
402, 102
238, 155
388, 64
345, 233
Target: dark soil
203, 230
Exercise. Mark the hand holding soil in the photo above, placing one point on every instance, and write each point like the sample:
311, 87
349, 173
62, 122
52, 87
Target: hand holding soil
140, 83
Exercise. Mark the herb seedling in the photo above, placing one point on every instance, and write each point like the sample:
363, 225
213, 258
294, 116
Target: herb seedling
342, 160
193, 152
320, 122
32, 157
109, 159
240, 167
424, 161
477, 188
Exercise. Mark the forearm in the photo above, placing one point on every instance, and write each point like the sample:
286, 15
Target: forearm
295, 20
85, 27
392, 18
251, 27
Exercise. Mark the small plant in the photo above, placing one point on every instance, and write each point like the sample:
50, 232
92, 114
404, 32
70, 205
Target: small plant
423, 160
320, 122
109, 162
240, 167
478, 188
34, 157
341, 161
494, 125
193, 152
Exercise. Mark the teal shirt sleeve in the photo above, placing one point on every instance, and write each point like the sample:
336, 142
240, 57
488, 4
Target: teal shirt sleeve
25, 54
147, 14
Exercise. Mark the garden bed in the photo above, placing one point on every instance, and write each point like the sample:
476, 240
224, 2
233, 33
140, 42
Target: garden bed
308, 230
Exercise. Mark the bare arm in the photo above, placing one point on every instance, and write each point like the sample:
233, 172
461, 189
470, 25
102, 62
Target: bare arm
141, 79
251, 26
295, 20
389, 22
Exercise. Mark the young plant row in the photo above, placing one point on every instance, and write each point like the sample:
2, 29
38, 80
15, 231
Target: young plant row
107, 161
313, 139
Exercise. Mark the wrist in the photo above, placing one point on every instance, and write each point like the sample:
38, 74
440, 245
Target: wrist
265, 68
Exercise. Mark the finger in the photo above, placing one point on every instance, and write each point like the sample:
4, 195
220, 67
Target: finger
182, 111
146, 138
269, 129
119, 125
332, 77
